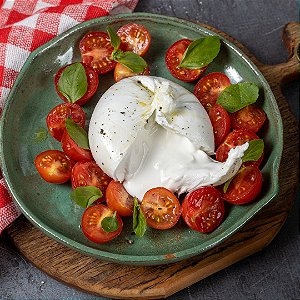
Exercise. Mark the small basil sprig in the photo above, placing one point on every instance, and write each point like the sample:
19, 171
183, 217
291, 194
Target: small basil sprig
200, 53
110, 224
139, 221
237, 96
254, 151
132, 61
77, 134
85, 196
73, 82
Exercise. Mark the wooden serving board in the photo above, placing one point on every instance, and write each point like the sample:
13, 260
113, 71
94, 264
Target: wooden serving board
110, 280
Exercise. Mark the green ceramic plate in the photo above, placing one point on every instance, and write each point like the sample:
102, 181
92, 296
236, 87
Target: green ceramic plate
48, 206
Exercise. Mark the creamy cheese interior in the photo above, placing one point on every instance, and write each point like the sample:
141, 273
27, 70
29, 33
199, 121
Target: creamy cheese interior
147, 132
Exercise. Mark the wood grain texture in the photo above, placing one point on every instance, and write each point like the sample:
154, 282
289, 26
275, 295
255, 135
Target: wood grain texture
111, 280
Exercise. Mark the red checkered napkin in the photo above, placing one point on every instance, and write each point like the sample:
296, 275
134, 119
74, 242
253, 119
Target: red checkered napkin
28, 24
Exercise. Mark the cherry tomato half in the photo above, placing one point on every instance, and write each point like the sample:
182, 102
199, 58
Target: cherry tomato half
245, 186
118, 199
220, 121
91, 224
209, 87
233, 139
203, 209
173, 58
135, 38
96, 50
73, 150
250, 117
161, 208
56, 119
92, 84
121, 72
53, 166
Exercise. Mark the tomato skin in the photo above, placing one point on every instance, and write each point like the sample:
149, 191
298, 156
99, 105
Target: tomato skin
54, 166
250, 117
92, 84
91, 224
118, 199
135, 38
203, 209
220, 120
121, 72
56, 119
173, 58
96, 50
73, 150
161, 208
209, 87
245, 186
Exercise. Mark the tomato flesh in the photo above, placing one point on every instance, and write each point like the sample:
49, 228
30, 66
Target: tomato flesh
161, 208
245, 186
91, 224
135, 38
173, 58
118, 199
203, 209
92, 84
209, 87
53, 166
56, 119
122, 71
96, 50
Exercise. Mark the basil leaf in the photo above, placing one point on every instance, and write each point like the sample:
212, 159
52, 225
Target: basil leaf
132, 61
77, 134
110, 224
40, 135
254, 151
84, 196
139, 221
114, 38
200, 53
226, 184
237, 96
73, 82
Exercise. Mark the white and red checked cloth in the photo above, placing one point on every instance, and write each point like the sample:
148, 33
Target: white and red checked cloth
28, 24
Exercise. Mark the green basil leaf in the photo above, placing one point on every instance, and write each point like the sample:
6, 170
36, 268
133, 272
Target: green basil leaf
254, 151
77, 134
237, 96
84, 196
200, 53
110, 224
73, 82
114, 38
139, 221
40, 135
226, 184
132, 61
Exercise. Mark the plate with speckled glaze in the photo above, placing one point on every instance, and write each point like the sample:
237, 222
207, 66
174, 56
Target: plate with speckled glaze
49, 207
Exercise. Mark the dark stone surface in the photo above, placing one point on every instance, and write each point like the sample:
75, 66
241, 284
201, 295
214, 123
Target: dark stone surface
273, 273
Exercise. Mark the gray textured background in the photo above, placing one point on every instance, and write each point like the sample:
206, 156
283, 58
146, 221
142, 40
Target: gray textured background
273, 273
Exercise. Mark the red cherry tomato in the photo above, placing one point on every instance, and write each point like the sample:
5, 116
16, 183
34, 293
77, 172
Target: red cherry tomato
92, 84
88, 173
73, 150
220, 121
173, 58
53, 166
56, 119
209, 87
233, 139
91, 224
203, 209
118, 199
161, 208
121, 72
135, 38
249, 117
96, 50
245, 186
